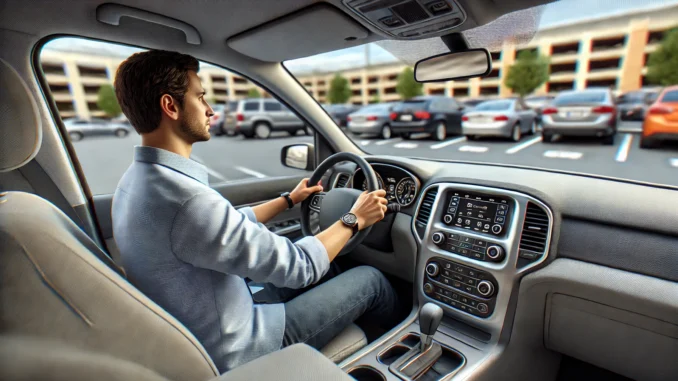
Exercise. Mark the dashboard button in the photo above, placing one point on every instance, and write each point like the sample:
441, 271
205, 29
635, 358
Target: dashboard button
502, 207
438, 238
454, 304
470, 281
485, 288
468, 240
428, 288
479, 256
499, 219
481, 242
448, 273
468, 289
457, 284
432, 269
472, 273
473, 303
452, 210
465, 252
460, 270
463, 307
447, 219
496, 229
446, 281
465, 245
501, 212
448, 265
464, 300
482, 308
454, 296
458, 277
478, 248
453, 236
495, 253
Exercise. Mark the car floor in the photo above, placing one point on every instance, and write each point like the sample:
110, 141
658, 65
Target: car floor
574, 370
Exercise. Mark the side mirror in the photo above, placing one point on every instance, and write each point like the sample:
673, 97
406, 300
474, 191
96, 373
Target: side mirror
299, 156
453, 66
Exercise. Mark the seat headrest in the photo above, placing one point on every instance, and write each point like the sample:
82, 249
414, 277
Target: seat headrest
20, 125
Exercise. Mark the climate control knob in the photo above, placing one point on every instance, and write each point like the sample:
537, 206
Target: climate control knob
428, 288
495, 253
432, 269
485, 288
438, 238
448, 219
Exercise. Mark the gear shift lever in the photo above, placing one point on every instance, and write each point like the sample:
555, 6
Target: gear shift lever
430, 316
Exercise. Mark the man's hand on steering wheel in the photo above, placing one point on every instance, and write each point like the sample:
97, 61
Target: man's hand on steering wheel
370, 208
302, 191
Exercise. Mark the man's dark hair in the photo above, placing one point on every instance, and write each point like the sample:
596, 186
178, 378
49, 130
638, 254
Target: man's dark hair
145, 77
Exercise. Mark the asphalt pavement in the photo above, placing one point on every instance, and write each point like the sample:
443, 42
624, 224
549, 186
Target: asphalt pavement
105, 159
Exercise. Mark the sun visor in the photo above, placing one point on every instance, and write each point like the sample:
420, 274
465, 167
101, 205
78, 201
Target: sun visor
317, 29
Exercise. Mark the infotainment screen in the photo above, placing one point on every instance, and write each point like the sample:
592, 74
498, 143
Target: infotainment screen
480, 213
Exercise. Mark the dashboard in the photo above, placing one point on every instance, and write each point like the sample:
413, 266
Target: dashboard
401, 186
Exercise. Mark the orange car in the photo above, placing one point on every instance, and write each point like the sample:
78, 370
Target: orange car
661, 120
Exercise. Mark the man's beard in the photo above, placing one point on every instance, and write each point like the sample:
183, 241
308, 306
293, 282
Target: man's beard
193, 130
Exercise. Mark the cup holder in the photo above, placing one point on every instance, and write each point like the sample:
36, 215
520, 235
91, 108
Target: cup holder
366, 373
393, 353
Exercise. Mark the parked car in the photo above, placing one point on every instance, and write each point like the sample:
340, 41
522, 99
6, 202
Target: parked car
340, 113
473, 102
259, 117
661, 121
509, 118
538, 103
222, 113
634, 104
373, 119
590, 112
438, 116
79, 128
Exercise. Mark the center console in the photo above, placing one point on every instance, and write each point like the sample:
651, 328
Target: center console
475, 243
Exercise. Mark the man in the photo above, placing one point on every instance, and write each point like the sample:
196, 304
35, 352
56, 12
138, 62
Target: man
189, 250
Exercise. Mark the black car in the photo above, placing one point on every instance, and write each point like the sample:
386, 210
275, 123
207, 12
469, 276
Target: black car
438, 116
632, 105
340, 113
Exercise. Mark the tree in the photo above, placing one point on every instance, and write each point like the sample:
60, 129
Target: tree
107, 101
662, 63
407, 86
253, 93
340, 91
530, 71
376, 99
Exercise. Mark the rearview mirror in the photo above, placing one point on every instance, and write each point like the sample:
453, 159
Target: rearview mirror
299, 156
454, 66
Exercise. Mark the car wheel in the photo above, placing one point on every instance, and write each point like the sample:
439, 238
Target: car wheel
608, 140
406, 135
121, 133
516, 134
440, 132
75, 136
546, 137
262, 130
386, 132
648, 143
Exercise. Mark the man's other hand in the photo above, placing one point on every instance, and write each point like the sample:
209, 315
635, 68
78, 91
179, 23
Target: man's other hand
302, 191
370, 208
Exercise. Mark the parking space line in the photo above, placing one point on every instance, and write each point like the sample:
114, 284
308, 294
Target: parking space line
210, 171
673, 162
624, 147
365, 142
476, 149
251, 172
448, 143
387, 141
563, 155
406, 145
523, 145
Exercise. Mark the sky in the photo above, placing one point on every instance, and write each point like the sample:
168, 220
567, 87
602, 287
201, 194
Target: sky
563, 11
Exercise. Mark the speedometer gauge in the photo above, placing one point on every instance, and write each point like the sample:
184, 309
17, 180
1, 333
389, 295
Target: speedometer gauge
406, 191
379, 181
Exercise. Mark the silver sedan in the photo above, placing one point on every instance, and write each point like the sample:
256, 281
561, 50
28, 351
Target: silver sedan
372, 120
507, 118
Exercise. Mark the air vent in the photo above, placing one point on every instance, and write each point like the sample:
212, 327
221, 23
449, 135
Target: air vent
425, 210
342, 180
535, 232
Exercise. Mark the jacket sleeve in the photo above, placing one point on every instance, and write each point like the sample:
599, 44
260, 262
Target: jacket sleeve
208, 232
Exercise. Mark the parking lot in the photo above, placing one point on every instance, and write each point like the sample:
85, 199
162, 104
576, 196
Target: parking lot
105, 159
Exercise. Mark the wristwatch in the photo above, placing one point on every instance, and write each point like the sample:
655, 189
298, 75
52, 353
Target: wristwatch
290, 203
350, 220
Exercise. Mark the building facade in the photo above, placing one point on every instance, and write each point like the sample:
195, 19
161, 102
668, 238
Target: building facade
608, 52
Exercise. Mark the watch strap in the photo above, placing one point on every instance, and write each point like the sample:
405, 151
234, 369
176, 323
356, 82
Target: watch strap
288, 198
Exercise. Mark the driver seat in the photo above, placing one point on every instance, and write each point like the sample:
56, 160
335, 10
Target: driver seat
57, 284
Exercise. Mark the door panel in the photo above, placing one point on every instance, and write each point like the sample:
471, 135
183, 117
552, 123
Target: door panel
241, 193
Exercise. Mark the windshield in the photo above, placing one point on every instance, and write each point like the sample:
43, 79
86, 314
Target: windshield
494, 106
579, 98
619, 47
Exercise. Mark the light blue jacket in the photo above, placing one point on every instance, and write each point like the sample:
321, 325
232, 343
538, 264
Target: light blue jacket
189, 250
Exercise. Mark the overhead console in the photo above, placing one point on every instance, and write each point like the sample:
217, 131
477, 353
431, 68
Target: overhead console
475, 243
410, 19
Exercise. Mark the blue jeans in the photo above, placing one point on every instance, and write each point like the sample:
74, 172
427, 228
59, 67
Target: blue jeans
318, 315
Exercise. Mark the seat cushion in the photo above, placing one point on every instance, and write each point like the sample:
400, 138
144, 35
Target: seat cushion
348, 342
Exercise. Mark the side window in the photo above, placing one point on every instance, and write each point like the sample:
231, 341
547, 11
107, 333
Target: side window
251, 106
452, 105
272, 106
79, 76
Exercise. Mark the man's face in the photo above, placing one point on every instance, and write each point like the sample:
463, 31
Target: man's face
195, 113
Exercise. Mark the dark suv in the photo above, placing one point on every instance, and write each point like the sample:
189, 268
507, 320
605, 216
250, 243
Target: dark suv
438, 116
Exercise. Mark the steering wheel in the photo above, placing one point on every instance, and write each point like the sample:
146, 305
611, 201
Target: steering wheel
330, 206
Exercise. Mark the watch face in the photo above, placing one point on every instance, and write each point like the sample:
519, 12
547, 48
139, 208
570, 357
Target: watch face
349, 218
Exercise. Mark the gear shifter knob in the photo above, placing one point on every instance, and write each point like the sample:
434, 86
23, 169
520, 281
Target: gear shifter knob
430, 316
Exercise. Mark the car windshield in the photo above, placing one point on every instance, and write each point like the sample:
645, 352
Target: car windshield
670, 96
616, 46
494, 106
579, 98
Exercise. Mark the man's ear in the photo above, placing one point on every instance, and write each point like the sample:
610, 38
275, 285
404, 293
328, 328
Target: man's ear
169, 107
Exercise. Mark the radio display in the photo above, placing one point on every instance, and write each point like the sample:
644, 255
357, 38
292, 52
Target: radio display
480, 213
